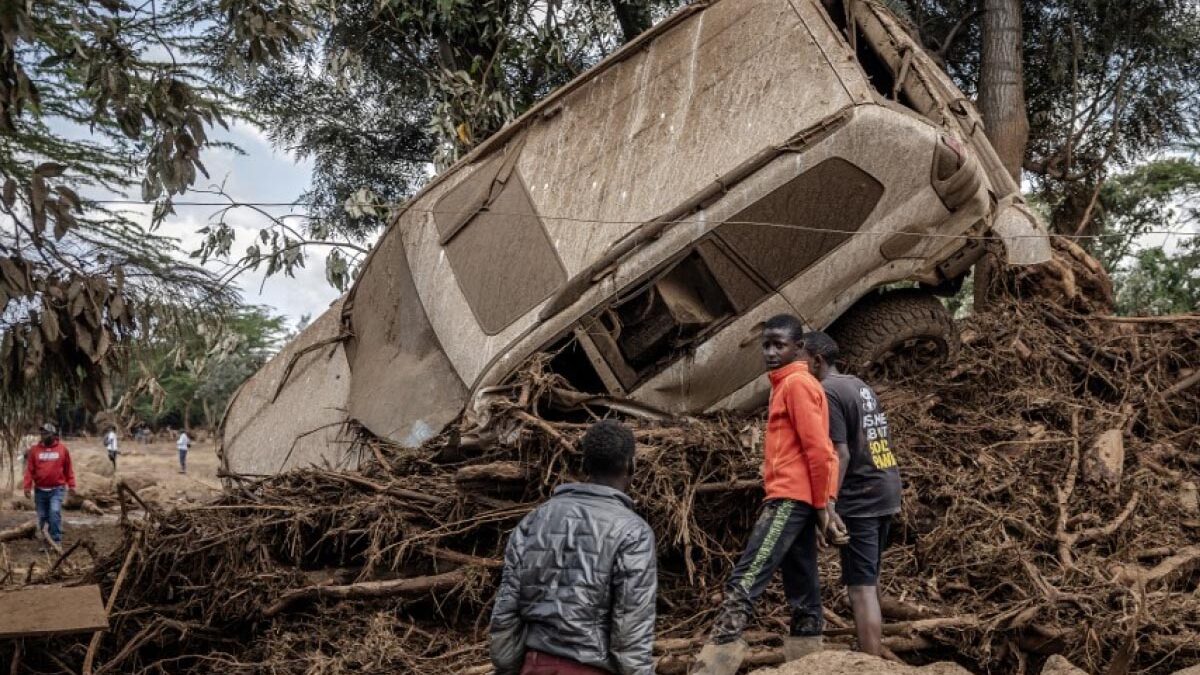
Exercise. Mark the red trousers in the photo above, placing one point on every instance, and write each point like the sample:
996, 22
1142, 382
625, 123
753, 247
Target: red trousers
541, 663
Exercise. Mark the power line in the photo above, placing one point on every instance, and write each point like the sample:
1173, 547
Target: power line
678, 221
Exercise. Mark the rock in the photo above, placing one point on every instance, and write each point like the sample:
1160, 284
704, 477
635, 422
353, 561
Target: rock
1189, 499
152, 495
839, 662
1105, 460
98, 464
90, 485
1058, 665
139, 483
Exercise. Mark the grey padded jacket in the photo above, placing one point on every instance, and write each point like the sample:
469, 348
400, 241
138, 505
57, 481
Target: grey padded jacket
580, 581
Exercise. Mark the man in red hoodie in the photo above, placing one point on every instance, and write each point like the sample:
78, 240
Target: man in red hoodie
798, 465
48, 475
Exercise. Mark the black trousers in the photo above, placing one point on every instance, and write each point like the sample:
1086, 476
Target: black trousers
784, 538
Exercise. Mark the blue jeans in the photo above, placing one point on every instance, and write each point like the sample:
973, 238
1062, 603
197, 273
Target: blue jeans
49, 510
183, 460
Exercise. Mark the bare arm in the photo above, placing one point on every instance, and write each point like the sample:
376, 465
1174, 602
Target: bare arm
843, 453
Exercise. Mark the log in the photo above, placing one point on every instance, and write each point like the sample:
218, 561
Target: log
1166, 318
367, 590
462, 558
504, 472
392, 490
734, 486
896, 609
666, 645
1183, 384
911, 628
1137, 575
25, 531
676, 664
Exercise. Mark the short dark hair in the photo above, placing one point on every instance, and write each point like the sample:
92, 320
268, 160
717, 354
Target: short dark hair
607, 449
820, 344
789, 322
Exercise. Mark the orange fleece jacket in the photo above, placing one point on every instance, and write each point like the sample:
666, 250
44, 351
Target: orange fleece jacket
799, 461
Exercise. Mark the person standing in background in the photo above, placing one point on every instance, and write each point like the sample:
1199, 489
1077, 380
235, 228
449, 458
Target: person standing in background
110, 446
48, 477
182, 445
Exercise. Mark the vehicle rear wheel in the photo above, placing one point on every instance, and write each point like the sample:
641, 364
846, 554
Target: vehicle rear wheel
895, 334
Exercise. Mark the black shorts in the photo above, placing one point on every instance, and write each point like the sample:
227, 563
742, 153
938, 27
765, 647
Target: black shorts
863, 556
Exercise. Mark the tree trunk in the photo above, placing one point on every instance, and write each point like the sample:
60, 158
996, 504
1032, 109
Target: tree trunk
1002, 84
1002, 105
634, 17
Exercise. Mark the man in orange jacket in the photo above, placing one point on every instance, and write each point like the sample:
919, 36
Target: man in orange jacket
799, 464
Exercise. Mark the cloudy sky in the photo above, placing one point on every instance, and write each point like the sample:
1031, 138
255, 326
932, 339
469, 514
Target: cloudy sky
262, 174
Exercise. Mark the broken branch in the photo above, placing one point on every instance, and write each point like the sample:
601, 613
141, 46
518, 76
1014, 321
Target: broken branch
368, 589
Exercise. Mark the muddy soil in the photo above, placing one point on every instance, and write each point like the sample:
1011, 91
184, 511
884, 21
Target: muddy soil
152, 469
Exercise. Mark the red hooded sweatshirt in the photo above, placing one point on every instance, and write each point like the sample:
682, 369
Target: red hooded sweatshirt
49, 467
798, 459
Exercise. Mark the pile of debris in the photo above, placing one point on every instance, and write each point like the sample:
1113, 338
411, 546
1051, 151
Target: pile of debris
1050, 507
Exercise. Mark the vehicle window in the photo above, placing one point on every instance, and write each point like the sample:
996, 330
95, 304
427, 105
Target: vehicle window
647, 329
497, 246
741, 286
793, 227
886, 58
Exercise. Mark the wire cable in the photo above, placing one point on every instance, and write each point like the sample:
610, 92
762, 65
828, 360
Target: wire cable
679, 221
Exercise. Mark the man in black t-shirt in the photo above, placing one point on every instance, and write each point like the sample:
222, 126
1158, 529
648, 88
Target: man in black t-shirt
869, 483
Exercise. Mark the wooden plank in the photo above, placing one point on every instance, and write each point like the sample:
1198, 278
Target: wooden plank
51, 610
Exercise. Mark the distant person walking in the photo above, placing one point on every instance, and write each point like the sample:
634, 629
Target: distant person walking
578, 591
48, 478
182, 445
110, 445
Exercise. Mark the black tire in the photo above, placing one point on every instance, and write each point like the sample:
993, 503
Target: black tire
895, 334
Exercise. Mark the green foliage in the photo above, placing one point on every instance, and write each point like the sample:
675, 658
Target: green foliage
189, 378
108, 96
1107, 84
1155, 196
1156, 282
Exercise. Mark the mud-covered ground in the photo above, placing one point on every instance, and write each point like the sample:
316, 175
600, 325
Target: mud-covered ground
152, 469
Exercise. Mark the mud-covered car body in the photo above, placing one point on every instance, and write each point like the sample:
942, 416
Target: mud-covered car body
742, 159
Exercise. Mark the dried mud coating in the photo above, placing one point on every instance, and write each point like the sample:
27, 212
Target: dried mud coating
836, 662
1003, 554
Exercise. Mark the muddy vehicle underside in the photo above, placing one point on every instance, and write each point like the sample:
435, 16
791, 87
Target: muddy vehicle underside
742, 159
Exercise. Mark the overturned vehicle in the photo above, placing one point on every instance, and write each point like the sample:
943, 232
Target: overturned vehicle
742, 159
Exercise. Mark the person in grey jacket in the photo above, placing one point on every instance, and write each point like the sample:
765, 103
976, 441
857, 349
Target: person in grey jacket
580, 577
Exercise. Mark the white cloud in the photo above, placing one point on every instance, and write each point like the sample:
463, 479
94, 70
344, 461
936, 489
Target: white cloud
261, 174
